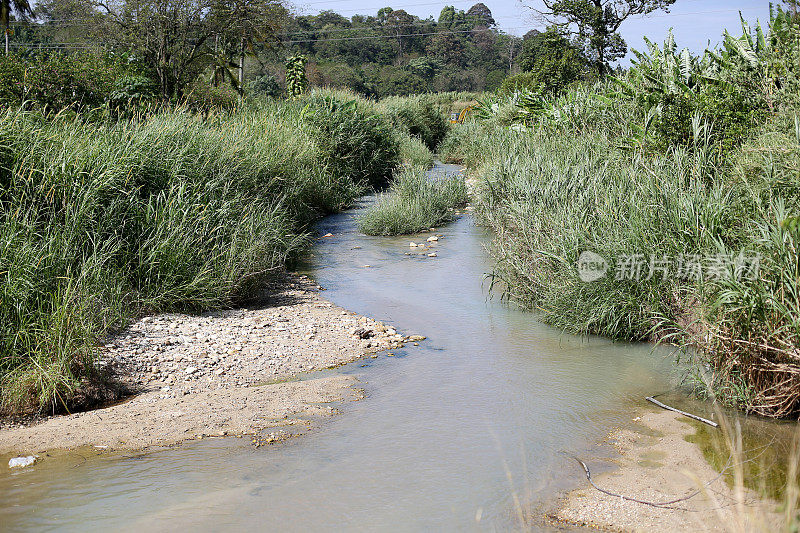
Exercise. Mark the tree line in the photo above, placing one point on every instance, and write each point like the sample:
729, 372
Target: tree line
239, 46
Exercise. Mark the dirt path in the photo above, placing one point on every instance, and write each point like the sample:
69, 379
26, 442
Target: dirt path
221, 373
657, 464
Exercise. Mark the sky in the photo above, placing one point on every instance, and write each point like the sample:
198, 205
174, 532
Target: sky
695, 23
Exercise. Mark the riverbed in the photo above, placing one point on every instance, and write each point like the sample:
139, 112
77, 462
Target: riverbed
464, 431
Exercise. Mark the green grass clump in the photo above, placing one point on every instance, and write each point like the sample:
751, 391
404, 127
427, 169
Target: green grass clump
415, 202
414, 153
101, 222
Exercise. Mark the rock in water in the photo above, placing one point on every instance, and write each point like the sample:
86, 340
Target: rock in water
21, 462
433, 238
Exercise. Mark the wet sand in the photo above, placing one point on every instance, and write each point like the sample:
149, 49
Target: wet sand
657, 464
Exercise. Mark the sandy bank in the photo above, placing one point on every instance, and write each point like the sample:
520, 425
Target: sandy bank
220, 373
656, 463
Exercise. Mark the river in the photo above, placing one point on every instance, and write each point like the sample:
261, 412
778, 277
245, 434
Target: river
459, 433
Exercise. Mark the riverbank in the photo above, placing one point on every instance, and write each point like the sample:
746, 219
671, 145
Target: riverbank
656, 463
218, 373
618, 213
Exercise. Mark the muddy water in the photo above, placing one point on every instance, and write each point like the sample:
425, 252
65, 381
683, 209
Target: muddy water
451, 434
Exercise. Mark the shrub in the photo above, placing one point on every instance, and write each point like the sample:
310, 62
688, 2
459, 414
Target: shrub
133, 90
56, 81
356, 141
419, 117
265, 85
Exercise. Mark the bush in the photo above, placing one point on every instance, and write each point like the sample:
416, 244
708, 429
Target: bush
133, 90
57, 81
415, 202
355, 140
265, 85
419, 117
202, 97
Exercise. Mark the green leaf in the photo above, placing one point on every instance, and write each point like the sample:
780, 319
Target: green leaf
686, 64
791, 224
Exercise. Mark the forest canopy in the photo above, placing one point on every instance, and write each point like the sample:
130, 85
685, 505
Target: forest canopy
209, 48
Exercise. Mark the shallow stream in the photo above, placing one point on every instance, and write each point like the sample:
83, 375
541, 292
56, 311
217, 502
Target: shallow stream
460, 432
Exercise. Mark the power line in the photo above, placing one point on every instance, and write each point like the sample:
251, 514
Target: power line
479, 30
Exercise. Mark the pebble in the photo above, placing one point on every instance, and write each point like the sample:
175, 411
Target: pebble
433, 238
241, 347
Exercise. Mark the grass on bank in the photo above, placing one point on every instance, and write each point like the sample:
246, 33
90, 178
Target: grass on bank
414, 203
597, 170
103, 221
554, 192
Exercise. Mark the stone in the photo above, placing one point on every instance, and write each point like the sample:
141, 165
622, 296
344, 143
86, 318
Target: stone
432, 254
433, 238
413, 244
363, 333
327, 235
415, 338
22, 462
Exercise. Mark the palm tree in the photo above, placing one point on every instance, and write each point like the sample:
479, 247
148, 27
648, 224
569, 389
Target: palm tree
20, 7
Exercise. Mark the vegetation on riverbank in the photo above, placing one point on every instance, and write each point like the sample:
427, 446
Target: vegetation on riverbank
679, 175
103, 220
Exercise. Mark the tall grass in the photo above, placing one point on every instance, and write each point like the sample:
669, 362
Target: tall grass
100, 222
418, 116
414, 153
415, 202
573, 182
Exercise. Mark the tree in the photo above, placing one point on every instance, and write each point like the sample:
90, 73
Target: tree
179, 39
596, 23
552, 61
245, 25
169, 35
399, 23
447, 48
20, 8
425, 67
480, 15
